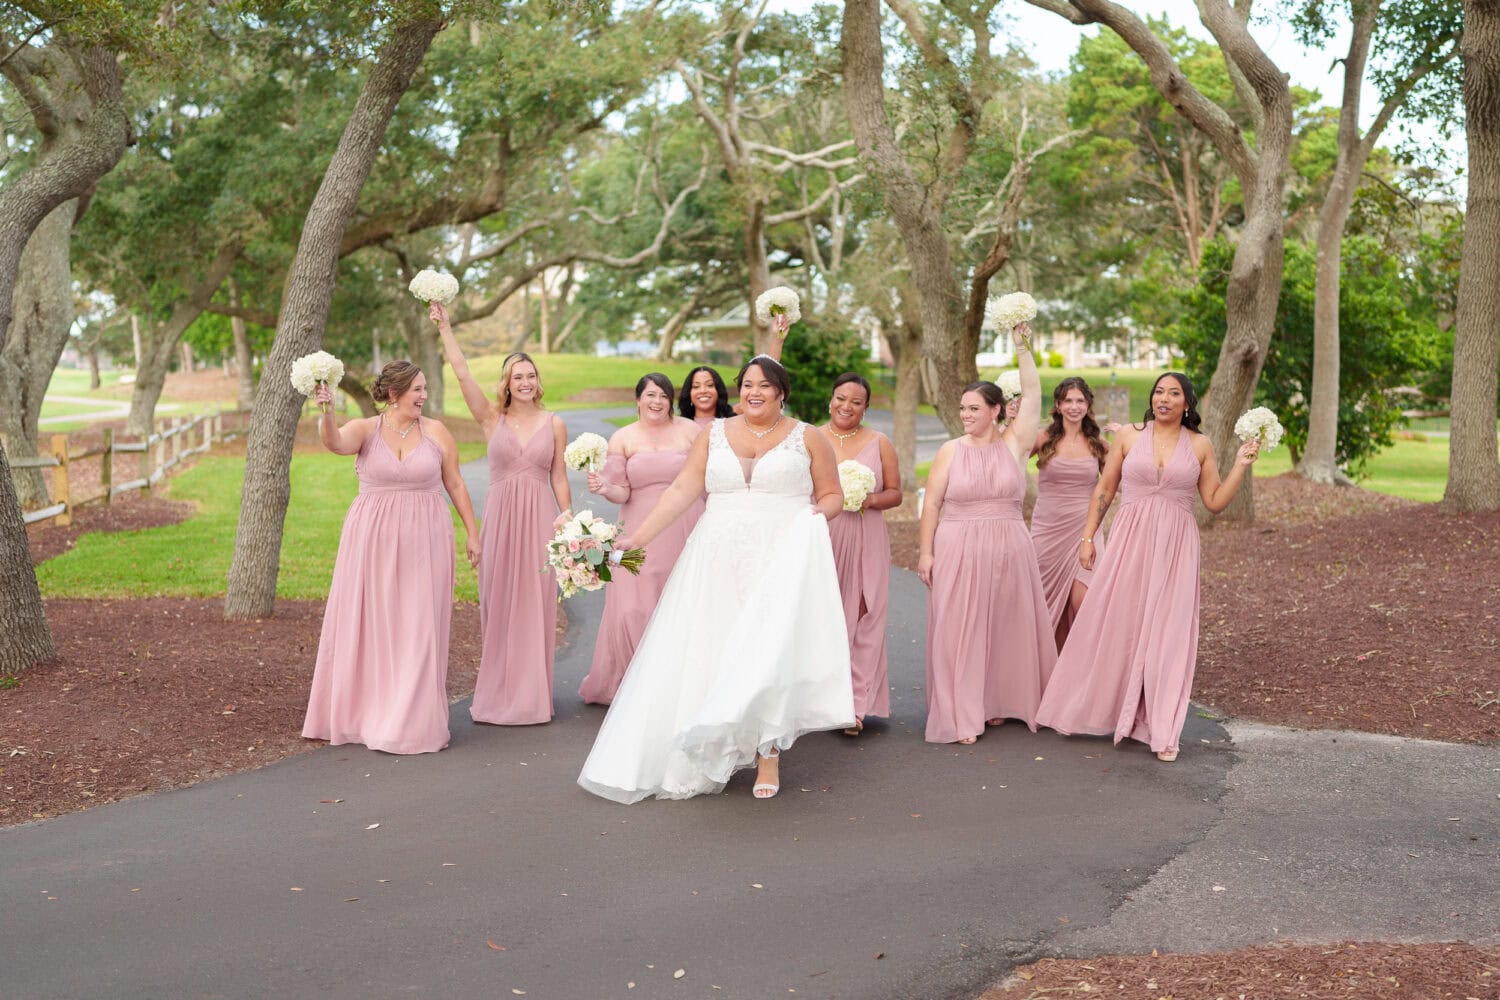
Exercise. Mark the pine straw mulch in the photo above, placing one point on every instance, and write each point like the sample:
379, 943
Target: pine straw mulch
1345, 609
1305, 972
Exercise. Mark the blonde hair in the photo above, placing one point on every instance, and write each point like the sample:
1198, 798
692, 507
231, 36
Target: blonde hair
511, 360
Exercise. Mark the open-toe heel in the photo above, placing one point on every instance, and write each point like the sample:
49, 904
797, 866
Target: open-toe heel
766, 789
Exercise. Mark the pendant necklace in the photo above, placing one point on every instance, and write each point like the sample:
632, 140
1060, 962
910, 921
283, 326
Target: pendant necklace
761, 434
402, 434
844, 437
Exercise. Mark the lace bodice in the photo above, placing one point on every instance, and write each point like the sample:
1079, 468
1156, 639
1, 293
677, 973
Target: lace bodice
785, 470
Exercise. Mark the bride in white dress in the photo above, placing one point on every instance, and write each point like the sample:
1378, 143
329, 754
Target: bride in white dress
746, 650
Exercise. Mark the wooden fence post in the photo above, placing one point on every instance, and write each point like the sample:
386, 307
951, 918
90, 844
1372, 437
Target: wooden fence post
60, 480
107, 464
146, 463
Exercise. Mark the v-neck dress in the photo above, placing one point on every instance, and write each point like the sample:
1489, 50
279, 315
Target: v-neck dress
1127, 667
381, 675
517, 600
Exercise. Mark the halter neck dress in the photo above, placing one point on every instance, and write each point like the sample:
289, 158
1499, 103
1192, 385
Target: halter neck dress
862, 553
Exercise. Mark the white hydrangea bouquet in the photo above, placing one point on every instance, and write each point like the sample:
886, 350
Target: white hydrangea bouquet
586, 453
857, 482
434, 286
1259, 423
1010, 383
579, 554
310, 369
1006, 312
778, 301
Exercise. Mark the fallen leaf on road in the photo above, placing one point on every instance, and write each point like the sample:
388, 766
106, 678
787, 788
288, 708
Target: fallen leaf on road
1220, 888
372, 826
679, 973
330, 801
494, 946
880, 954
352, 899
916, 815
519, 993
295, 888
757, 885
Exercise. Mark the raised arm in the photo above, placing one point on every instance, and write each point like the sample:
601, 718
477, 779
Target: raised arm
346, 440
932, 508
780, 324
890, 474
479, 404
1023, 430
453, 482
1104, 494
1217, 494
828, 495
687, 487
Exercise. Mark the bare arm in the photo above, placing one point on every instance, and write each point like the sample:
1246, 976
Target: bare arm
932, 508
828, 495
611, 482
346, 440
890, 473
1023, 430
479, 404
1217, 494
561, 491
1104, 495
453, 482
780, 324
687, 487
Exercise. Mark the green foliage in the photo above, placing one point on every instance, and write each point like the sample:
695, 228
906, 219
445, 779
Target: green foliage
1055, 359
814, 357
1382, 344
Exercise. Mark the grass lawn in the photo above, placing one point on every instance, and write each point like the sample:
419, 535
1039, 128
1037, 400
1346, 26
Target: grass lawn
75, 381
52, 408
191, 559
565, 375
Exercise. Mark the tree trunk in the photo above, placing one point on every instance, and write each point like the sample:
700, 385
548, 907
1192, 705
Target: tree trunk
135, 339
757, 266
941, 298
1473, 464
906, 345
24, 636
251, 588
352, 387
425, 348
93, 356
675, 324
38, 334
244, 361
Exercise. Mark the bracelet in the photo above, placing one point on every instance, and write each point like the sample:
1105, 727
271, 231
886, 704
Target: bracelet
1089, 540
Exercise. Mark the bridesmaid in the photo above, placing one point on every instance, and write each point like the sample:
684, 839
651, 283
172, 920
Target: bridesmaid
990, 648
1127, 668
704, 397
861, 545
382, 671
1070, 454
644, 458
528, 485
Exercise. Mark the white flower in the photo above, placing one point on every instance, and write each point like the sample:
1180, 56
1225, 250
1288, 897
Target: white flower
310, 369
778, 300
1010, 383
586, 453
434, 286
1259, 423
857, 481
602, 530
1009, 311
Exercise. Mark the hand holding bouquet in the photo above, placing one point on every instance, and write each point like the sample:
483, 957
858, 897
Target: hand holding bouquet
317, 368
857, 482
586, 452
1261, 424
780, 307
582, 553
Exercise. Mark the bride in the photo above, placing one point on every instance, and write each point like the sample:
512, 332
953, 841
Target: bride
746, 649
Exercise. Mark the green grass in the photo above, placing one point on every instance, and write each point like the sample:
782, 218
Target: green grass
620, 421
75, 381
191, 559
54, 409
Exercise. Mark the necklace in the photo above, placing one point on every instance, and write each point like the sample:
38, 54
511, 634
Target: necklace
402, 434
844, 437
761, 434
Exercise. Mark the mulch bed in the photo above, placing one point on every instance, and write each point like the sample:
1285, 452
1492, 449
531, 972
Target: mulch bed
1308, 972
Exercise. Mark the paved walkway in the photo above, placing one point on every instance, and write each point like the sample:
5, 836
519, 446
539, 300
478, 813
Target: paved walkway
887, 867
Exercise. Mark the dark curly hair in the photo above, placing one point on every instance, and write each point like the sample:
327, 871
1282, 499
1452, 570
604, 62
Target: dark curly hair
1190, 417
685, 400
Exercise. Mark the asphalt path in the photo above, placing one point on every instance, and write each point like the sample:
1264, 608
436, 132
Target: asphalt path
887, 867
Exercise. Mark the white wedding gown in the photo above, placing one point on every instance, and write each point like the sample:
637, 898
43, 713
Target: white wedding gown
747, 649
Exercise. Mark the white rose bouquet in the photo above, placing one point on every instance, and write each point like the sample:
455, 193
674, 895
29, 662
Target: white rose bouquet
579, 554
1259, 423
310, 369
1007, 312
778, 301
1010, 383
434, 286
857, 482
586, 453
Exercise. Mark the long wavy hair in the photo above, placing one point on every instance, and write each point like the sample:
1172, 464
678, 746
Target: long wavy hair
1190, 417
1090, 427
511, 360
685, 399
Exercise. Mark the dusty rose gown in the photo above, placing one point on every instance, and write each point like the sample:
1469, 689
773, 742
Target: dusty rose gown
862, 555
630, 600
517, 601
1064, 487
382, 664
990, 649
1127, 667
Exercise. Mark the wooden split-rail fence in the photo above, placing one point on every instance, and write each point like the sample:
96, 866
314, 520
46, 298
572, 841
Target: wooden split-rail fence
173, 441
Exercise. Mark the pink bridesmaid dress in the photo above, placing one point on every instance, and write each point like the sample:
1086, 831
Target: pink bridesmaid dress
1127, 667
517, 601
862, 556
630, 600
1064, 487
381, 676
990, 649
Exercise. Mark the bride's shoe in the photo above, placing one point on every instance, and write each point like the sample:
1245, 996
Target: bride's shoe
856, 729
766, 789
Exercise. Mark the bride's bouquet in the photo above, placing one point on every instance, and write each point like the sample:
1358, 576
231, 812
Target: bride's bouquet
586, 453
1259, 423
579, 554
778, 301
857, 481
434, 286
310, 369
